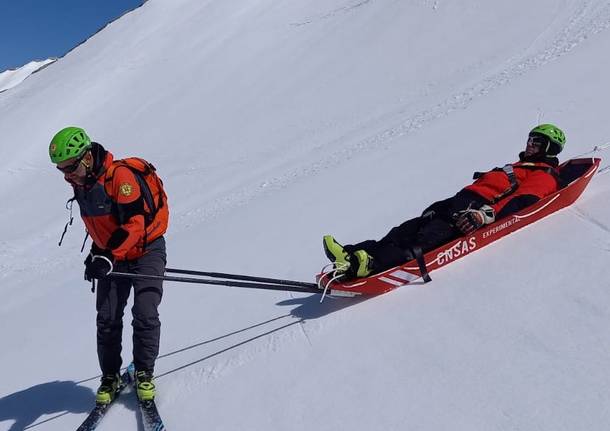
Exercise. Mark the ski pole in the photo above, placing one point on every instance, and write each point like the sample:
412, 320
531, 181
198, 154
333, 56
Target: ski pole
312, 288
240, 277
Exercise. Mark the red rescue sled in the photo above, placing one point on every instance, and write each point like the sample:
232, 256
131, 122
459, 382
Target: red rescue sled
575, 174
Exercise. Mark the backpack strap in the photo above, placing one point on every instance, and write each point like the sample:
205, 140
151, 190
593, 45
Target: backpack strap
509, 170
152, 168
145, 192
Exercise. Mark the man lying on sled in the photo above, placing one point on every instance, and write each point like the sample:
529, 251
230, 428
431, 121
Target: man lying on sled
494, 195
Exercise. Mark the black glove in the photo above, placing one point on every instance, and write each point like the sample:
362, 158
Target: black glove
98, 264
470, 220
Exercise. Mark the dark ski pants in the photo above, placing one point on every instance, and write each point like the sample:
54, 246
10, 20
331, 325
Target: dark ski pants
112, 296
432, 229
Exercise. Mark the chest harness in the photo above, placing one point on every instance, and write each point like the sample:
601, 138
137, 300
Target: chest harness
512, 178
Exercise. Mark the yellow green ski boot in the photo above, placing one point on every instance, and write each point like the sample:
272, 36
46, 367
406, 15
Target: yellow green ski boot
108, 388
336, 254
364, 262
145, 386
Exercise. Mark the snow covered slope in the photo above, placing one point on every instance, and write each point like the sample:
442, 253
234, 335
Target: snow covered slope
273, 123
12, 77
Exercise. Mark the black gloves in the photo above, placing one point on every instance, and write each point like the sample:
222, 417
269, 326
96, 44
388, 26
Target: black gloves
98, 264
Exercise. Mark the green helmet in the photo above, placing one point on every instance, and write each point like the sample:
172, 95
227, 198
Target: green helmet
555, 138
68, 143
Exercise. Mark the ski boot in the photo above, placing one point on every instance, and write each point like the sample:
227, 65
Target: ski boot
336, 254
108, 388
145, 386
364, 263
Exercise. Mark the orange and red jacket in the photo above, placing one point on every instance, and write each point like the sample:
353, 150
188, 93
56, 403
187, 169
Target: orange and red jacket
532, 178
113, 210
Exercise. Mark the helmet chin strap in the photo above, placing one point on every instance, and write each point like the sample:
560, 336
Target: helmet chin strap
90, 175
88, 169
548, 147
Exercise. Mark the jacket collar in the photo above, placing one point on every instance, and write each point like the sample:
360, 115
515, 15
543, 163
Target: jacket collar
539, 158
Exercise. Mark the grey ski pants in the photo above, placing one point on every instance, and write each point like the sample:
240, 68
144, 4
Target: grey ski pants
112, 296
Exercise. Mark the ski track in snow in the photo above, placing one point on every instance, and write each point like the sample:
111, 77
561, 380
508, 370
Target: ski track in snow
332, 14
579, 212
302, 324
580, 26
220, 355
217, 364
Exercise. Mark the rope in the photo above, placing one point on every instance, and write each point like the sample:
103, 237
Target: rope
337, 273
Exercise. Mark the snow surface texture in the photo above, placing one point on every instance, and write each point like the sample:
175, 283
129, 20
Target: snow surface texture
273, 123
13, 77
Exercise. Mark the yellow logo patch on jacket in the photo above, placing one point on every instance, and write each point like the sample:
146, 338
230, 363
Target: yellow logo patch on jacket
126, 189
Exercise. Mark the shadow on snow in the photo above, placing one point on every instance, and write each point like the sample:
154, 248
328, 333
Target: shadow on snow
26, 406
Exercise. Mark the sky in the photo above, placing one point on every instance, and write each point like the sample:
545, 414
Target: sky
39, 29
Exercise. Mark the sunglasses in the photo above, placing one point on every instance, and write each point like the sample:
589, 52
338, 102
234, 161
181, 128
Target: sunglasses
71, 167
537, 141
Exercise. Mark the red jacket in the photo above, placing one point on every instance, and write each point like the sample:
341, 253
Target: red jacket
535, 179
113, 213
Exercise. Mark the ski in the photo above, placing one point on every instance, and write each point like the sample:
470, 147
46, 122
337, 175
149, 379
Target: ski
151, 419
99, 411
150, 416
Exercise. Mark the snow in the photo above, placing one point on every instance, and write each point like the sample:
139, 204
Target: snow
274, 123
13, 77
